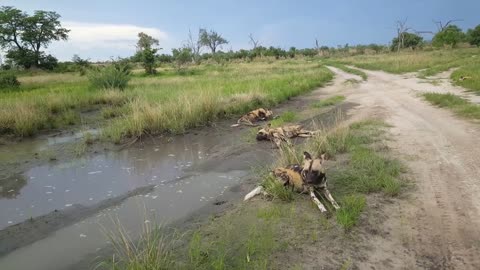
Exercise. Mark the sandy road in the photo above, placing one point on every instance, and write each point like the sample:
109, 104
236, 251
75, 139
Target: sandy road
438, 225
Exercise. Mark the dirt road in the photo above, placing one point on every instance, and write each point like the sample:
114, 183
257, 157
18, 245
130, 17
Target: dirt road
437, 225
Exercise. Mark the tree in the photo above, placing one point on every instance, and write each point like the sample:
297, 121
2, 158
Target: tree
410, 40
402, 29
473, 36
255, 42
24, 36
181, 57
211, 39
145, 47
194, 45
450, 36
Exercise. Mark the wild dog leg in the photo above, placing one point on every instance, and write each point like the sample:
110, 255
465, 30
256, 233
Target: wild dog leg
317, 201
304, 135
330, 198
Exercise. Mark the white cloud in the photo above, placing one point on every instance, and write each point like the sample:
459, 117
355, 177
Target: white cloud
100, 41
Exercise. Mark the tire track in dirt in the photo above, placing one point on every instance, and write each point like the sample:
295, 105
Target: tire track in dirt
438, 225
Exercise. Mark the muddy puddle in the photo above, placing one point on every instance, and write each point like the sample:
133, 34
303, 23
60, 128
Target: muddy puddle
60, 207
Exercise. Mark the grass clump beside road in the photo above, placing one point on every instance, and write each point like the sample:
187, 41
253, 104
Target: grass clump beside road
460, 106
431, 62
328, 101
472, 74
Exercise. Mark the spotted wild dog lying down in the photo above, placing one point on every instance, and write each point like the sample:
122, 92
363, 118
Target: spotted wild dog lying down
309, 177
282, 134
253, 117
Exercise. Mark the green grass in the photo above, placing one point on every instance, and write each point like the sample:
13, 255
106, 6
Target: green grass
328, 101
410, 61
351, 208
284, 118
472, 71
458, 105
167, 102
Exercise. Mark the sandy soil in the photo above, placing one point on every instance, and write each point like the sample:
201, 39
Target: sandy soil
438, 225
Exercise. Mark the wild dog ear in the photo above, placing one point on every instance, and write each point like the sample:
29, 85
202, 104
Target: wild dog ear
307, 155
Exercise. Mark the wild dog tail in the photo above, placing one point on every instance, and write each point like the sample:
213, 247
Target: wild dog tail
254, 192
235, 125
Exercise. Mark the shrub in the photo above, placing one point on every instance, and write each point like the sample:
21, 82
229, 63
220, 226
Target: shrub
115, 76
8, 80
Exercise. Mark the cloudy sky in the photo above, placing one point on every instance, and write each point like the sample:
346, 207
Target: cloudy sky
101, 29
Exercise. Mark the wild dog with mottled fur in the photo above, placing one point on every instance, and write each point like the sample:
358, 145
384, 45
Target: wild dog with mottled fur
309, 177
253, 117
282, 134
313, 174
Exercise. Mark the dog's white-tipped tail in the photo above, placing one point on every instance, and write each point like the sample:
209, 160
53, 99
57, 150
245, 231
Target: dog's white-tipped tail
253, 193
235, 125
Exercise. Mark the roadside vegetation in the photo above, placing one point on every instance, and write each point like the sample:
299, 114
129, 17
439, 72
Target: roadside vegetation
328, 101
248, 236
458, 105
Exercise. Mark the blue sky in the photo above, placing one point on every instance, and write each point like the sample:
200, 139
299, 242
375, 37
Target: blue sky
105, 28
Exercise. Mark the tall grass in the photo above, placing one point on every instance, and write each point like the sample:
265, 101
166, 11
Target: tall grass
163, 103
329, 101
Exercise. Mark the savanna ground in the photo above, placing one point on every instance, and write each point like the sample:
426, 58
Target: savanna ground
403, 171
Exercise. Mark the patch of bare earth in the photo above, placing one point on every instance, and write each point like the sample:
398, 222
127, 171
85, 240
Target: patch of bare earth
437, 224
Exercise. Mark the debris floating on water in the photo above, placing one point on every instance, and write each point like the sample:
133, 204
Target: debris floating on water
95, 172
171, 155
83, 235
68, 205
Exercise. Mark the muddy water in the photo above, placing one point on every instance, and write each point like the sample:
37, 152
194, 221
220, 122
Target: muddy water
181, 176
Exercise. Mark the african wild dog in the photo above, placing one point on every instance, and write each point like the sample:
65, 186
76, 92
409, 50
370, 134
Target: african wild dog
309, 177
253, 117
282, 134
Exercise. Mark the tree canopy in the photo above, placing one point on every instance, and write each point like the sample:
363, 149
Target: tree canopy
211, 39
473, 36
24, 36
407, 40
450, 36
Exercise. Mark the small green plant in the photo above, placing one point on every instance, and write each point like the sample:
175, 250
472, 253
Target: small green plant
351, 208
114, 76
8, 80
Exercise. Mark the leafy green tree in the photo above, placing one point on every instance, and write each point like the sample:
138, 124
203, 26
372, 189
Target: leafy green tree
182, 57
211, 39
407, 40
24, 36
473, 36
145, 48
450, 36
292, 52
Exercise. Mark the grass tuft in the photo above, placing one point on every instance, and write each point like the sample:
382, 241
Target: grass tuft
329, 101
351, 208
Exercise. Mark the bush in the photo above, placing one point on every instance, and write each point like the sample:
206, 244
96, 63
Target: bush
114, 76
8, 80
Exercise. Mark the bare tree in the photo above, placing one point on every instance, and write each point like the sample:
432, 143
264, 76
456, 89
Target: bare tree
317, 45
194, 45
441, 26
255, 42
402, 28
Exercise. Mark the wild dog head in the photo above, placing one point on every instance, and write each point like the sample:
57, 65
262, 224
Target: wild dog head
313, 172
263, 134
